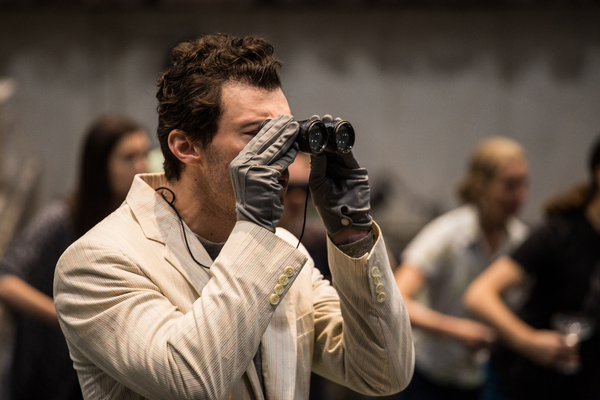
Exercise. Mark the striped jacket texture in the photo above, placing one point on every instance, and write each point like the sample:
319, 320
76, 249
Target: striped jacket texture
143, 320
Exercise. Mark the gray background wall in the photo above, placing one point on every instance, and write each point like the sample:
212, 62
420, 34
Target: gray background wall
420, 86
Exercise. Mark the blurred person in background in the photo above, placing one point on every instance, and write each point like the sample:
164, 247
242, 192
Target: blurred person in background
114, 152
550, 348
442, 260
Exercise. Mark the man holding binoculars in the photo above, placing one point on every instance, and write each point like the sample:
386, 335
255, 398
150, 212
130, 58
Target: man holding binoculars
189, 290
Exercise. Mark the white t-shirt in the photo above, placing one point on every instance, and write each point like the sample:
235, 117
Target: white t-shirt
450, 252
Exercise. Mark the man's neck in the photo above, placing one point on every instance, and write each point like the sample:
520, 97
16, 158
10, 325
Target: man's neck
205, 221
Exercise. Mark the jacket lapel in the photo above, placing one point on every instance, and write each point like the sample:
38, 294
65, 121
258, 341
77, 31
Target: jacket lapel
254, 382
177, 254
160, 223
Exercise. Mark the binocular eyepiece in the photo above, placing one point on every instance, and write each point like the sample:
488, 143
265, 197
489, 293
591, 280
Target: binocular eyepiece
316, 136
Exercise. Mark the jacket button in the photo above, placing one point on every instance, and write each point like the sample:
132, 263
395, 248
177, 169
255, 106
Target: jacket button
381, 297
278, 290
375, 271
283, 280
379, 288
289, 271
274, 299
376, 280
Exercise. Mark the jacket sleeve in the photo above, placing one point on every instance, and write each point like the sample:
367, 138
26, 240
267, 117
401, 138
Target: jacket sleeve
363, 340
124, 322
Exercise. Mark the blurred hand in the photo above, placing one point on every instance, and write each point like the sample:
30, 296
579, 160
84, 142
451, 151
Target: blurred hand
550, 349
255, 172
474, 335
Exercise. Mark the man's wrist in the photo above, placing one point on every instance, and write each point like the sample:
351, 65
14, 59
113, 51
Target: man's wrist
360, 247
348, 236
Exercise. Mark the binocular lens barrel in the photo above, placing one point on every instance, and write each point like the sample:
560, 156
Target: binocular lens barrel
340, 136
314, 136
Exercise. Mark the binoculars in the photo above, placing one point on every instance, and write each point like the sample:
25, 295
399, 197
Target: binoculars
316, 136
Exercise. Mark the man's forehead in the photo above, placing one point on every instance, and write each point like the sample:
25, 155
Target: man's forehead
245, 103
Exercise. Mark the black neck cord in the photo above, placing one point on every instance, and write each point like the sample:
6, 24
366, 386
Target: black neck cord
304, 221
181, 222
183, 227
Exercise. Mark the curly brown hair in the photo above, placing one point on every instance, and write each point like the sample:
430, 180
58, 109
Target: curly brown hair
189, 91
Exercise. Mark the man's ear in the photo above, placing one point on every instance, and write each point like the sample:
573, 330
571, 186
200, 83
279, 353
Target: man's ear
184, 148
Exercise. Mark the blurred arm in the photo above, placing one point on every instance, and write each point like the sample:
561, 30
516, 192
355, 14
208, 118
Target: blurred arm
24, 298
409, 279
484, 298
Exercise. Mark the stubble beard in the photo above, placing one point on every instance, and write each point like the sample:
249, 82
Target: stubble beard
219, 197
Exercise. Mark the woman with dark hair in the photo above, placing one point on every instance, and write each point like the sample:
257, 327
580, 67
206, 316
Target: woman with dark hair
114, 152
444, 258
550, 348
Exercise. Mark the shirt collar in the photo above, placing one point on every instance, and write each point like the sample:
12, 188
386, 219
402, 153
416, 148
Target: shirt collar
515, 229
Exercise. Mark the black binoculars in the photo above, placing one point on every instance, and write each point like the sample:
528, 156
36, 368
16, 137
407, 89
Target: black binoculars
316, 136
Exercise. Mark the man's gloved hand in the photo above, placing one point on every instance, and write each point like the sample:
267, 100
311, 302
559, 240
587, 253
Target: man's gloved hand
256, 170
340, 191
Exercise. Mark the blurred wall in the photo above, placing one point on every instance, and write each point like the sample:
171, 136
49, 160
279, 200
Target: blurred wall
420, 86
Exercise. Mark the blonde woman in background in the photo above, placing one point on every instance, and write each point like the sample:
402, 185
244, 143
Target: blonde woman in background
550, 348
443, 259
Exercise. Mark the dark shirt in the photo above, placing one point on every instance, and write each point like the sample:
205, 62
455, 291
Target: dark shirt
41, 367
560, 257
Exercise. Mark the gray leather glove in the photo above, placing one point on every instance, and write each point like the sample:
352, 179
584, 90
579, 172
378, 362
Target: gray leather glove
256, 170
340, 191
